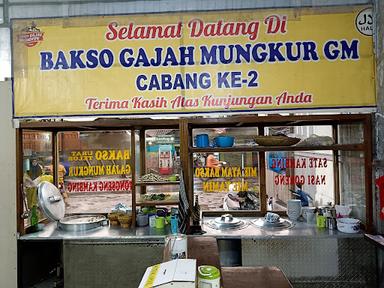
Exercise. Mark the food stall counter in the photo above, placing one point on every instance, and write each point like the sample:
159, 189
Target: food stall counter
50, 231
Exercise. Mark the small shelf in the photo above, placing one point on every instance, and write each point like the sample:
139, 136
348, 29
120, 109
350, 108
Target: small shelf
335, 147
157, 183
160, 202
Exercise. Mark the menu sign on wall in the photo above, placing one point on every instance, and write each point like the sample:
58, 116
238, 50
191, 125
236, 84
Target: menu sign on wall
301, 164
223, 179
188, 63
111, 173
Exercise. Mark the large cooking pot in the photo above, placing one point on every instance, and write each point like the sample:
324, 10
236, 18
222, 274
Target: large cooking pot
52, 204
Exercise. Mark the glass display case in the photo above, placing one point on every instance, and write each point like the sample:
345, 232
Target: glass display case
235, 176
222, 161
95, 169
319, 159
37, 150
157, 184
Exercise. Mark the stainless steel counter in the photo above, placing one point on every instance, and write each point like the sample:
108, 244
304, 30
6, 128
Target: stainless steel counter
340, 257
147, 234
300, 229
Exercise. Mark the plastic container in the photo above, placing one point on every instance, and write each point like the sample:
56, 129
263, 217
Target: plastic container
293, 209
208, 276
142, 219
309, 214
160, 222
224, 141
176, 246
152, 220
202, 140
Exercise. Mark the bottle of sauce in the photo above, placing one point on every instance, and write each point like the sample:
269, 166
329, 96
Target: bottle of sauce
34, 218
321, 220
196, 212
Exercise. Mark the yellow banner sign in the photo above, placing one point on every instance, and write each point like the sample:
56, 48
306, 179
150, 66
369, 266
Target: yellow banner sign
191, 63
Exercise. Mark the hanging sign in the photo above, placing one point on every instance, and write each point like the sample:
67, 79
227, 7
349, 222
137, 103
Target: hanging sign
193, 63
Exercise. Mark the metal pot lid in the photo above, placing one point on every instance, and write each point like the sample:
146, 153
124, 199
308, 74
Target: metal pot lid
227, 220
51, 201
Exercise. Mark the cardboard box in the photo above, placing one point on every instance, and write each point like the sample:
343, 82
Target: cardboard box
179, 273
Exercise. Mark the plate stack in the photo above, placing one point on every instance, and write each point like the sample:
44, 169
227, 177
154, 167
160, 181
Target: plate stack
278, 225
294, 209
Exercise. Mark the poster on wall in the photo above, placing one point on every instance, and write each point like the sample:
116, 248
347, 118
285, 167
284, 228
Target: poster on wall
225, 62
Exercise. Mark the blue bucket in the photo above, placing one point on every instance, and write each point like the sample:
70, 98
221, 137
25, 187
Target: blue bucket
202, 140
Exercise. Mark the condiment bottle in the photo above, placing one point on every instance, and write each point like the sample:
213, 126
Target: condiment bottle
321, 220
196, 212
174, 222
330, 223
34, 220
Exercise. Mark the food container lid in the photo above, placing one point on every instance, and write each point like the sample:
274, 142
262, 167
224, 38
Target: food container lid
208, 272
227, 220
51, 201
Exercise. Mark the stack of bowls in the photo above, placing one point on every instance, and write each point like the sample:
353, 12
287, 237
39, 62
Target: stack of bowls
294, 209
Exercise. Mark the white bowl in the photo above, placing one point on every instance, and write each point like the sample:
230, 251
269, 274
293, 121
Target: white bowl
348, 225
